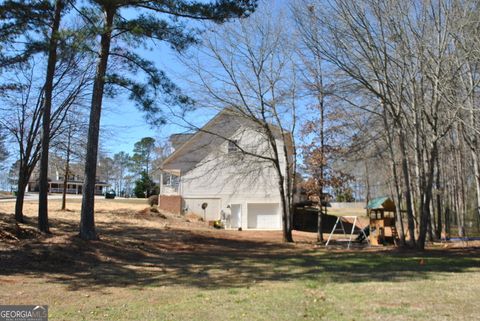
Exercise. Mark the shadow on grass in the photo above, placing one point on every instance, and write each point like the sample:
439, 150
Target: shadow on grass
139, 255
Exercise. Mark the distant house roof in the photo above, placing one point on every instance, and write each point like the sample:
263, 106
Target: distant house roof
384, 203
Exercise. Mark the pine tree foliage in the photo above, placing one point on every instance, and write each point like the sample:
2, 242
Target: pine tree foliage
20, 20
143, 154
145, 186
157, 21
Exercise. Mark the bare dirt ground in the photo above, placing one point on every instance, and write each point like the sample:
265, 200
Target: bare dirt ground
136, 247
178, 258
130, 232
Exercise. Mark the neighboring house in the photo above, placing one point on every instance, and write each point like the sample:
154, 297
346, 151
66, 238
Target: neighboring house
207, 174
56, 179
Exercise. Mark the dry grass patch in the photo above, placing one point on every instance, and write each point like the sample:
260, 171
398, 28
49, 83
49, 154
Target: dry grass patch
190, 217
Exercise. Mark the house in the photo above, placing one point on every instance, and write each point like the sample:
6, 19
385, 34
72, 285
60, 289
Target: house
56, 179
216, 173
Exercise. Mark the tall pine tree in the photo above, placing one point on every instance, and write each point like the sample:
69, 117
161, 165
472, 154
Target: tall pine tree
143, 152
154, 20
47, 107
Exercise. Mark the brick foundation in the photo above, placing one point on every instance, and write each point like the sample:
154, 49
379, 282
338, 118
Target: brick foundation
170, 203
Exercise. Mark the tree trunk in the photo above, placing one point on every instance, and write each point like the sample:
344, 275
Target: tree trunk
463, 195
447, 222
439, 202
87, 220
21, 185
459, 199
286, 218
431, 227
406, 176
476, 175
426, 198
52, 60
419, 168
286, 211
65, 176
459, 217
320, 197
320, 224
393, 165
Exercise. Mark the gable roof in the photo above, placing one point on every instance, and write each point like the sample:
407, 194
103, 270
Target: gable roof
205, 131
384, 203
218, 129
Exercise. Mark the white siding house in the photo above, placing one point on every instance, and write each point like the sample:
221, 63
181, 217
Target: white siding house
208, 167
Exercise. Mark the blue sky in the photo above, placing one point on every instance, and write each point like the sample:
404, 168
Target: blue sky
123, 124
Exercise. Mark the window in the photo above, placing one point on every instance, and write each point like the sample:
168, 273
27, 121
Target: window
232, 146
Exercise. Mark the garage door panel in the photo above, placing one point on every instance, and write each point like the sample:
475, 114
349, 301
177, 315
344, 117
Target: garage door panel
263, 216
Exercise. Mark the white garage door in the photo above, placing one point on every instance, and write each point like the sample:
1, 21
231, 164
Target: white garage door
211, 213
264, 216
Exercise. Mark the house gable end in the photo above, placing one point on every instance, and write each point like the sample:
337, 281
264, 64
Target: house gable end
202, 143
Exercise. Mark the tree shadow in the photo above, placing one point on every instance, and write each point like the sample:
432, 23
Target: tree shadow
137, 255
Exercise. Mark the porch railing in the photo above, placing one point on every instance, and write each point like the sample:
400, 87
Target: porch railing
60, 190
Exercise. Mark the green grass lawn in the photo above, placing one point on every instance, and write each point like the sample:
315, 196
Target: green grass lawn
143, 270
307, 286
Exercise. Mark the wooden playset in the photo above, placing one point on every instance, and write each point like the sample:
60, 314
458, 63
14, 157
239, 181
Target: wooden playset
381, 212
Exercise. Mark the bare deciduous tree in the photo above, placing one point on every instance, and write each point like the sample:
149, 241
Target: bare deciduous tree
410, 59
250, 71
22, 114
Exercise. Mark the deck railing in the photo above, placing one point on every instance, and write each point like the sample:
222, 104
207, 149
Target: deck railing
170, 190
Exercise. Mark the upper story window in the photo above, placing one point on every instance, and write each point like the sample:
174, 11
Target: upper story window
232, 146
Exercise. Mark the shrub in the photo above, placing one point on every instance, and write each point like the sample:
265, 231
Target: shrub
145, 186
153, 200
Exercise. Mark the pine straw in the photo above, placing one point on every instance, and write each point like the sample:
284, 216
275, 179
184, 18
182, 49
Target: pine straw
108, 213
11, 231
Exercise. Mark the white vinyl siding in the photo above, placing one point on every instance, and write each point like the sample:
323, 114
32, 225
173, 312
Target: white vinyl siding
210, 213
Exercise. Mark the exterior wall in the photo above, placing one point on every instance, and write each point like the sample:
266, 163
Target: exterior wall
224, 204
226, 174
212, 174
233, 178
210, 213
170, 203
